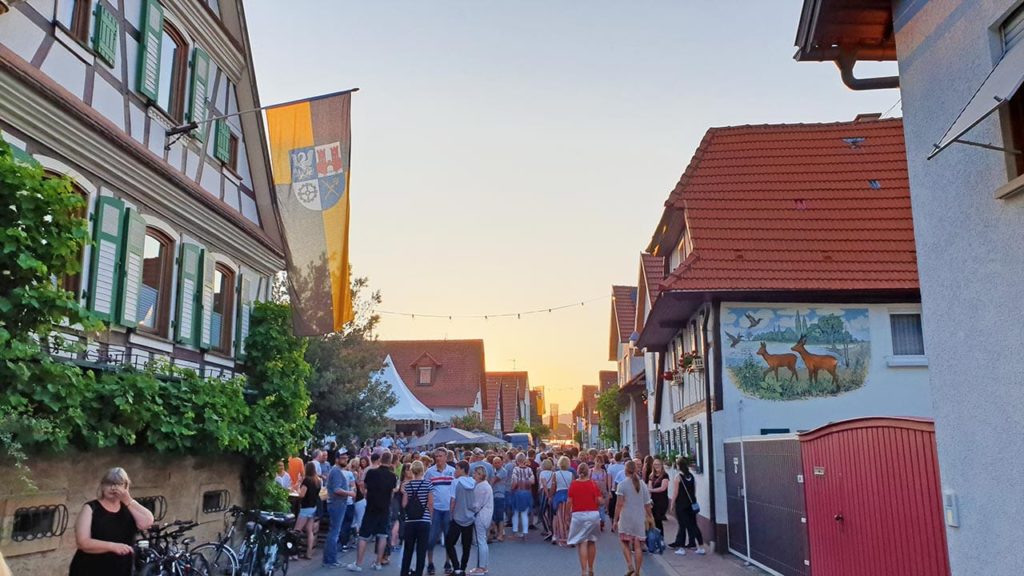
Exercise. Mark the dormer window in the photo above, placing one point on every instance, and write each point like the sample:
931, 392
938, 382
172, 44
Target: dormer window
426, 367
426, 375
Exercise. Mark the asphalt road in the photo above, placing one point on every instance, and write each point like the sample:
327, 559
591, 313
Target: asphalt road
512, 558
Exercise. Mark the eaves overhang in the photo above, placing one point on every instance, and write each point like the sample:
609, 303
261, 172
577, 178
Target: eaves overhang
674, 308
829, 27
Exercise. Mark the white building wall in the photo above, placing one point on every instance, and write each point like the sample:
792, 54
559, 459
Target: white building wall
970, 260
886, 391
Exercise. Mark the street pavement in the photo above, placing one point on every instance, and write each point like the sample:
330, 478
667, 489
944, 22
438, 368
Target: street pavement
538, 558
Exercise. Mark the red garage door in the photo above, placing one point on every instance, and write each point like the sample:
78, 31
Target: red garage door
873, 500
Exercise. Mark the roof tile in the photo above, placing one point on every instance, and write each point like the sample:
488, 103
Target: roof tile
791, 207
459, 370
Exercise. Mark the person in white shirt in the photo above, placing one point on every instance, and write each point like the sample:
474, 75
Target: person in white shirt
283, 479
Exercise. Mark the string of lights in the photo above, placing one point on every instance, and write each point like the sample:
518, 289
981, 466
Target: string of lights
517, 315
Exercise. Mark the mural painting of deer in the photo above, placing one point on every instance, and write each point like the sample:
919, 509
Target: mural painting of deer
776, 361
816, 362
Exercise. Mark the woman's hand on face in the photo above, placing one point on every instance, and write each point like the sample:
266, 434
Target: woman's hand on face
124, 496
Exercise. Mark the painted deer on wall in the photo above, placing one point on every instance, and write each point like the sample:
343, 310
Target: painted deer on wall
816, 362
776, 361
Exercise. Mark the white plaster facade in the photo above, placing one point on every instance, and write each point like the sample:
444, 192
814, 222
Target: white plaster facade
970, 260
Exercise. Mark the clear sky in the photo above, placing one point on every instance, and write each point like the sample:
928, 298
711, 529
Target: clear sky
516, 155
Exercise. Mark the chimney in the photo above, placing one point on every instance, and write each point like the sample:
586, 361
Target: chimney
868, 117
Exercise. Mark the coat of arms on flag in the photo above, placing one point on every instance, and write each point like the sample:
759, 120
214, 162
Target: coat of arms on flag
318, 176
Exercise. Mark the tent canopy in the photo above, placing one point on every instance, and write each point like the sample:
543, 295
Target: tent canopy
455, 437
408, 406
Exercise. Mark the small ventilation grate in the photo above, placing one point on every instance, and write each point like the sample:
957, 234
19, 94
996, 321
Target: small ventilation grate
874, 184
854, 142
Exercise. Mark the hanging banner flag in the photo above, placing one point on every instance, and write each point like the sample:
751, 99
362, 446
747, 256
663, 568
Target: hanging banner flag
310, 145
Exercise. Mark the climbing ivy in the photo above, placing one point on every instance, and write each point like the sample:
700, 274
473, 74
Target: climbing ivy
48, 405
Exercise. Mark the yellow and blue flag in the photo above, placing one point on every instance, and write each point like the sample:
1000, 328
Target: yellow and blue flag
310, 149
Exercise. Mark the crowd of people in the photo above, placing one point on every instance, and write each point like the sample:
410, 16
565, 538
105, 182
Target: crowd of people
393, 498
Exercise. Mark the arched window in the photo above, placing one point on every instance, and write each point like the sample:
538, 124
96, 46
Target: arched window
155, 292
73, 282
223, 302
173, 72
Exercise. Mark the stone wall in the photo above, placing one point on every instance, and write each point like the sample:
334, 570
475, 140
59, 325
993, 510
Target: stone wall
72, 479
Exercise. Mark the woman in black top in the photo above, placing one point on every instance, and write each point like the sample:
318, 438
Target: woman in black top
686, 496
105, 530
309, 497
657, 482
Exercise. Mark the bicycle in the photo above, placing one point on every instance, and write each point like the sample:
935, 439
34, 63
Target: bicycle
220, 555
161, 553
269, 544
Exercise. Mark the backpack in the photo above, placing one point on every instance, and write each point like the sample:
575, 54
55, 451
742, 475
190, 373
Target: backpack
655, 541
414, 510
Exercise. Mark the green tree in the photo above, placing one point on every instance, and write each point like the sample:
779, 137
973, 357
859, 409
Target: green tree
609, 407
831, 327
41, 238
347, 399
521, 426
471, 421
540, 430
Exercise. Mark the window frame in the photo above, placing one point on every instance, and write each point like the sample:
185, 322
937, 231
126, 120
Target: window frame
178, 79
161, 326
81, 22
232, 161
892, 317
430, 375
227, 324
73, 282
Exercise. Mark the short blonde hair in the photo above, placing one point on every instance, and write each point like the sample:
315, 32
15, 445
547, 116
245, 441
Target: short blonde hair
563, 463
114, 477
546, 464
416, 467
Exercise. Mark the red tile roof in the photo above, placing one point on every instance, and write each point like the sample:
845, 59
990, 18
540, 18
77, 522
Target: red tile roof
623, 317
608, 379
459, 373
797, 207
589, 401
506, 388
653, 270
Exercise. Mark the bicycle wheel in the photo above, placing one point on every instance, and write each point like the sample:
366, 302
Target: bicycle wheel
153, 568
280, 565
220, 559
247, 565
193, 565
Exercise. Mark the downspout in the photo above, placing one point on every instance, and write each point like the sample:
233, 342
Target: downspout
708, 409
847, 60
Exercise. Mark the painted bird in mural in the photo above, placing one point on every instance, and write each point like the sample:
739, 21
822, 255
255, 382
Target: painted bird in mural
753, 321
734, 340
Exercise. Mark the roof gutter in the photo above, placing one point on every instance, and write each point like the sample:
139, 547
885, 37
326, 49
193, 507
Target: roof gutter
847, 60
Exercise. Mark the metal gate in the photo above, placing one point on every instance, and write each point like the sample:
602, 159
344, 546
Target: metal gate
873, 498
774, 503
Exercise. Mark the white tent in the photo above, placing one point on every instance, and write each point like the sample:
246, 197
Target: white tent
408, 406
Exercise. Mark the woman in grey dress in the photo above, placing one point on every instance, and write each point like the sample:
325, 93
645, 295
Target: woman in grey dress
632, 515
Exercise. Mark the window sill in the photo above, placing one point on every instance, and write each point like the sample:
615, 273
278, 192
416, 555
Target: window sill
219, 358
82, 52
1011, 188
154, 341
906, 361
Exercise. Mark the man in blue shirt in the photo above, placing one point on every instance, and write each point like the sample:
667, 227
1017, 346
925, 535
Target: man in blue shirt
338, 493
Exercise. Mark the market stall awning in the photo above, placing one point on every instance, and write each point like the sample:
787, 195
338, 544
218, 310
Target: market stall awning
408, 406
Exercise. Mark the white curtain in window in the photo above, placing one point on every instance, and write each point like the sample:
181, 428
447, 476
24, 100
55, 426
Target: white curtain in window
907, 339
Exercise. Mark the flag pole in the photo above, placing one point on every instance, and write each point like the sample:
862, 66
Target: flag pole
179, 131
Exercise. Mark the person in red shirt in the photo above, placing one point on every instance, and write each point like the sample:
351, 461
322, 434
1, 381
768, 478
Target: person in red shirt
584, 502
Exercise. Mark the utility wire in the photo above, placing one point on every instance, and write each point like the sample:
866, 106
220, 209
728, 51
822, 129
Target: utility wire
516, 315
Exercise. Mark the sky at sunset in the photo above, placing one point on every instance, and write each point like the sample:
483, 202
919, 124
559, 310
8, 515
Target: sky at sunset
511, 156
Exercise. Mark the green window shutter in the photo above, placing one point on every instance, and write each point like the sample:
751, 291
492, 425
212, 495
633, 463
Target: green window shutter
131, 276
222, 150
200, 78
190, 267
209, 269
149, 49
244, 308
104, 38
104, 282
